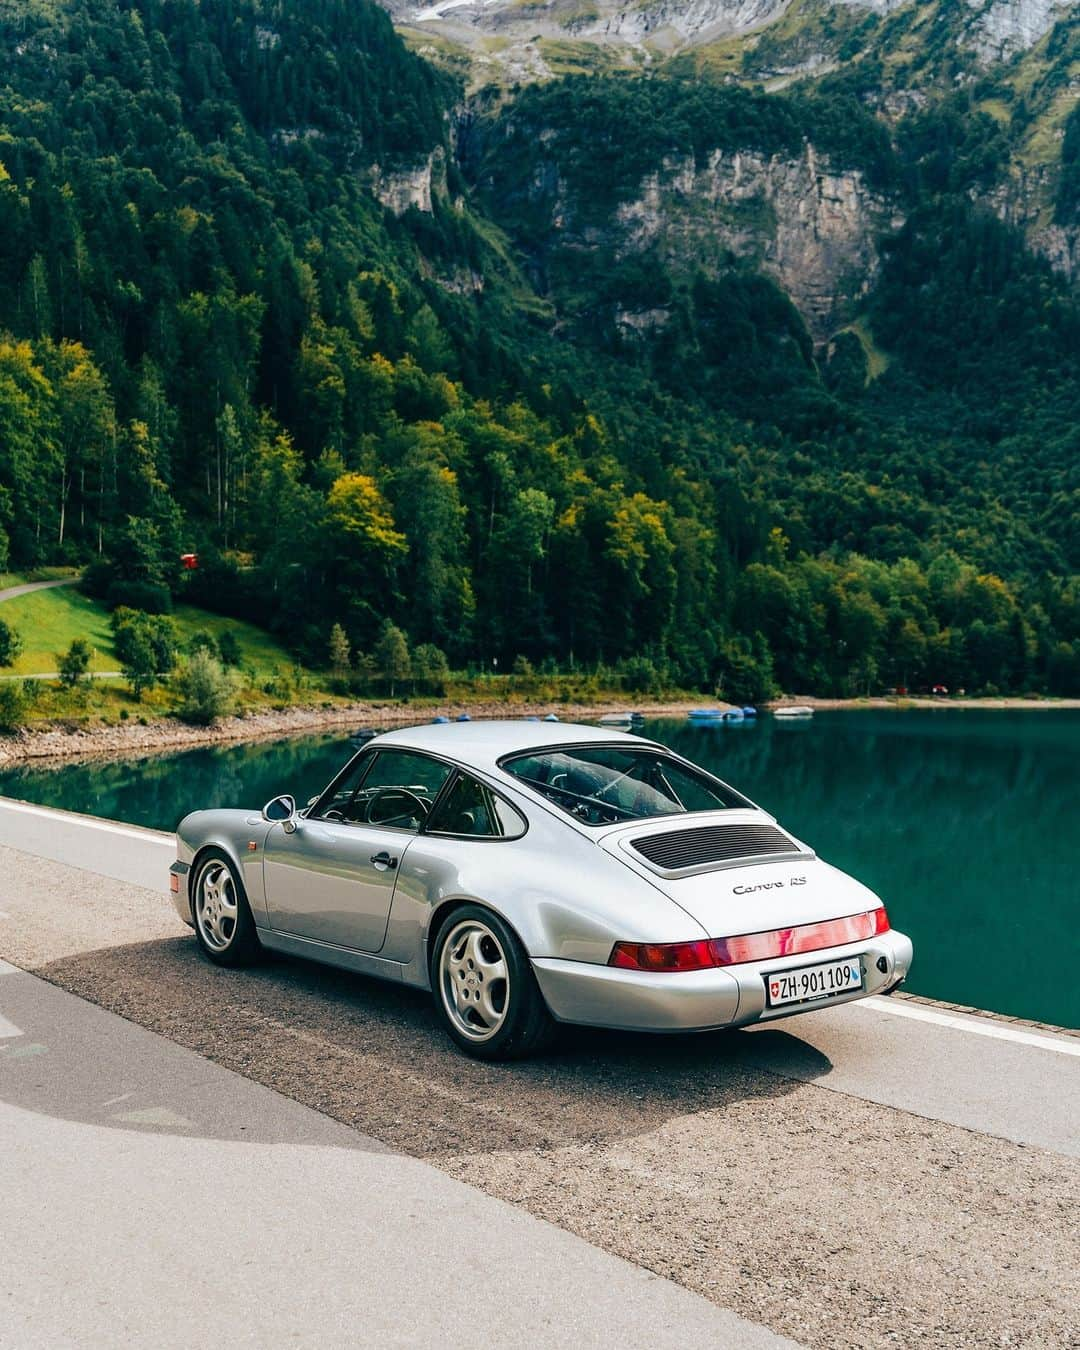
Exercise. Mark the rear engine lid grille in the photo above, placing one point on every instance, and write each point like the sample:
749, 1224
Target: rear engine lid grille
705, 846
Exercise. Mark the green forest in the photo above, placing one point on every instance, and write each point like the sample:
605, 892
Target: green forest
215, 338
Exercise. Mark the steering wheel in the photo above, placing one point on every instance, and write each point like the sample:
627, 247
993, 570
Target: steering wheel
401, 798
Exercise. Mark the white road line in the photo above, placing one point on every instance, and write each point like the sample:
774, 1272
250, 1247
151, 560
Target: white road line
1064, 1045
8, 1029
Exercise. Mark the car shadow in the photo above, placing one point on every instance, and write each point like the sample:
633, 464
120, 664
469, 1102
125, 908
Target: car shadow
373, 1055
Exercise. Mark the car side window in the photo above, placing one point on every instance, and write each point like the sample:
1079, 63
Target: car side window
401, 788
338, 802
393, 788
472, 809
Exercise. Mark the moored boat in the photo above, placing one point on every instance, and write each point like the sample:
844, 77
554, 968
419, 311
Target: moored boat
794, 710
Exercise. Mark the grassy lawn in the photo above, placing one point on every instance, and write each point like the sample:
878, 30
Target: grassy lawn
49, 621
257, 648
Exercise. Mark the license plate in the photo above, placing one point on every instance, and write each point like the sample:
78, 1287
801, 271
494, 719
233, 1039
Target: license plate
811, 982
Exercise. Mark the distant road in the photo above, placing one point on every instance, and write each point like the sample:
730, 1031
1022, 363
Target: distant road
55, 675
12, 591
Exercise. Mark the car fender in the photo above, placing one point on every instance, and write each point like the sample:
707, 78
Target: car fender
240, 836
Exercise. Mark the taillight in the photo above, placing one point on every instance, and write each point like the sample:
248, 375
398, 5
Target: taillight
733, 951
662, 955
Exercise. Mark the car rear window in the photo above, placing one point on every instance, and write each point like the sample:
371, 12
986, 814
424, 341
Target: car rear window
603, 785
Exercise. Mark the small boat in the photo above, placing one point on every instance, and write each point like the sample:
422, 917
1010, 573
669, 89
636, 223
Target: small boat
616, 719
734, 715
463, 717
706, 714
438, 721
551, 717
749, 712
794, 710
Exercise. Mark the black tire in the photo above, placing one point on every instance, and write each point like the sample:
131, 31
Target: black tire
525, 1026
225, 940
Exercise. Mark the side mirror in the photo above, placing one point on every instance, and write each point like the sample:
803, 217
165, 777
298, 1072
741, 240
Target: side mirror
281, 809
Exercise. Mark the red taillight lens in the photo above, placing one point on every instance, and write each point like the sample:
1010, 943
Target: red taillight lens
807, 937
733, 951
661, 956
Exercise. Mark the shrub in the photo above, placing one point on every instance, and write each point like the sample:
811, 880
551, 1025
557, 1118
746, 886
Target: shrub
429, 665
746, 671
392, 655
229, 648
639, 675
97, 578
523, 667
74, 663
207, 690
145, 645
10, 644
12, 707
202, 641
338, 650
144, 595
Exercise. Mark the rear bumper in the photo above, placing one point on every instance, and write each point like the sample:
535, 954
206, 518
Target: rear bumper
702, 1000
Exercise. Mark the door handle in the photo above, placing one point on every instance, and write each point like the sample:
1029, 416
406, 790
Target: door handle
384, 860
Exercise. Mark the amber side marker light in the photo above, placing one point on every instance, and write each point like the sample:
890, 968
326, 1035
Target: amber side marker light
709, 953
174, 883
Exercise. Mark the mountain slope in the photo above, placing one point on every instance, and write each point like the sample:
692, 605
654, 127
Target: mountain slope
708, 401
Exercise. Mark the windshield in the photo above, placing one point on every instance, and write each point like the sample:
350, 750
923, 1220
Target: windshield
603, 785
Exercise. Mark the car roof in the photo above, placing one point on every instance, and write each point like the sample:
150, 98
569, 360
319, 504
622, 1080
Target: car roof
483, 744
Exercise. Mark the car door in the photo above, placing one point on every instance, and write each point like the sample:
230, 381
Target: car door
331, 878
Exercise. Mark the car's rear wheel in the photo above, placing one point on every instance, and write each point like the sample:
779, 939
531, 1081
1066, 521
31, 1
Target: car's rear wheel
485, 988
223, 922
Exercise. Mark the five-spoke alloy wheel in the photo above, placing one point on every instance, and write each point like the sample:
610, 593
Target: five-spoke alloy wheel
474, 980
223, 922
485, 988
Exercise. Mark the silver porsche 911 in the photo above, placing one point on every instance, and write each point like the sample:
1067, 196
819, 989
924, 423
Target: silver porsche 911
532, 874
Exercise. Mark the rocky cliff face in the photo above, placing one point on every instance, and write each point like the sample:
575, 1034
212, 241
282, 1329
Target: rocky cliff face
1004, 27
402, 188
1022, 201
812, 229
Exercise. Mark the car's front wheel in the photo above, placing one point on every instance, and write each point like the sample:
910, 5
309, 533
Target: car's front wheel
223, 922
485, 988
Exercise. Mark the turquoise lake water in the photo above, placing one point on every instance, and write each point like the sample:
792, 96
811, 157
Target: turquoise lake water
963, 821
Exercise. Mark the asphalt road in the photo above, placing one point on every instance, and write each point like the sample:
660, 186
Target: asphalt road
152, 1198
853, 1177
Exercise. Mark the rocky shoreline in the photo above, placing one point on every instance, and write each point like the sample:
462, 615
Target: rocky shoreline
54, 742
64, 742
